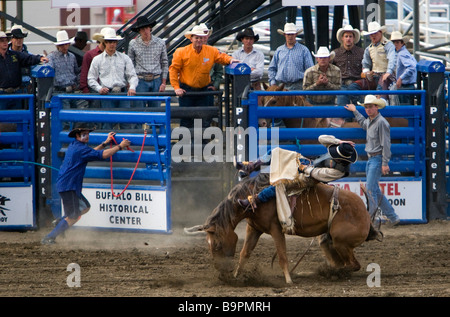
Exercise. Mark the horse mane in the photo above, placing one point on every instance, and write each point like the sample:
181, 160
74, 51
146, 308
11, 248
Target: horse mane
224, 213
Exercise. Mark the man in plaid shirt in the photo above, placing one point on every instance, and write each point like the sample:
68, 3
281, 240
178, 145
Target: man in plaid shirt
322, 76
149, 56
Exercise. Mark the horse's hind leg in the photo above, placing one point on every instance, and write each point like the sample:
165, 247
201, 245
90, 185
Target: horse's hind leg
251, 238
330, 252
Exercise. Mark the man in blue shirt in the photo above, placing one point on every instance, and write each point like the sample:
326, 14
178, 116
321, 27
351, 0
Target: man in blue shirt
406, 66
70, 178
290, 61
11, 63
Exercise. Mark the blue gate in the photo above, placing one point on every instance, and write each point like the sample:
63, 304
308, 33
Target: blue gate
17, 166
137, 207
405, 189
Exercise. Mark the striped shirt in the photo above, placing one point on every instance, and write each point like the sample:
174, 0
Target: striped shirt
254, 59
288, 65
378, 135
66, 68
111, 71
312, 74
149, 58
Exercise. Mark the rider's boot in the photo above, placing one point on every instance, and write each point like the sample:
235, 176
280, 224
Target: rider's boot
246, 167
251, 200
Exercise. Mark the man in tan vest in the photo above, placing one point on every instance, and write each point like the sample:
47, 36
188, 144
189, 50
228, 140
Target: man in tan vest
379, 60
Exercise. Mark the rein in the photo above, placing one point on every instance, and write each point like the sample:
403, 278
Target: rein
135, 167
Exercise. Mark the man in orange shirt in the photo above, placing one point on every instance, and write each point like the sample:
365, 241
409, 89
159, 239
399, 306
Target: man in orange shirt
190, 69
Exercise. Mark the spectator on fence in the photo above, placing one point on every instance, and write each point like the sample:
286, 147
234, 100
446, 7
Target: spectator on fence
379, 58
80, 42
348, 57
190, 70
18, 34
11, 63
67, 72
290, 60
112, 72
322, 76
406, 71
87, 60
378, 149
149, 56
252, 57
69, 183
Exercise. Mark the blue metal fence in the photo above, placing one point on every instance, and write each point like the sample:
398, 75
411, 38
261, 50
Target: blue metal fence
154, 159
17, 166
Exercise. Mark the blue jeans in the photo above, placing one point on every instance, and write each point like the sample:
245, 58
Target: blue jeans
194, 101
343, 100
148, 86
376, 198
406, 99
111, 104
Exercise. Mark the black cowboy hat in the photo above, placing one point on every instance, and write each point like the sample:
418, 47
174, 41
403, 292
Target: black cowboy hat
142, 22
344, 152
18, 34
248, 32
74, 132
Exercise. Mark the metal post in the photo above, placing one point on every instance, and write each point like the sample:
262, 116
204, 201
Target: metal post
432, 75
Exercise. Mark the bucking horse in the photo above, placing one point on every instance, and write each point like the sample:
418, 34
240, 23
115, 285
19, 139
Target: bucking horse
338, 216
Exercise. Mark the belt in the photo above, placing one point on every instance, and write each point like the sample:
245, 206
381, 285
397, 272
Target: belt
9, 90
148, 77
374, 154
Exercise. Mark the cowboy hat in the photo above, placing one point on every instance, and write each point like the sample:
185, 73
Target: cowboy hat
289, 28
4, 35
248, 32
373, 28
74, 132
18, 32
324, 52
398, 36
62, 38
81, 35
348, 28
97, 37
109, 34
205, 29
371, 99
142, 22
343, 151
196, 30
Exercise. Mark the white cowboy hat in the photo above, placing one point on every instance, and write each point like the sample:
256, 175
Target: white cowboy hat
62, 38
348, 28
373, 28
109, 34
371, 99
205, 28
3, 35
197, 30
323, 52
398, 36
289, 28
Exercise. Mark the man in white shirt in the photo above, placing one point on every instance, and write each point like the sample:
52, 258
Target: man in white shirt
252, 57
112, 72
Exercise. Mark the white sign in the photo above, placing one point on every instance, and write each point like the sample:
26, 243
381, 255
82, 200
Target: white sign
134, 209
91, 3
295, 3
404, 196
16, 206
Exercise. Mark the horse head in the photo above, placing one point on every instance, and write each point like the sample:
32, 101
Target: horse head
220, 235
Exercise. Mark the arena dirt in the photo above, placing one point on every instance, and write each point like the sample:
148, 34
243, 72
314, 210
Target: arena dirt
413, 260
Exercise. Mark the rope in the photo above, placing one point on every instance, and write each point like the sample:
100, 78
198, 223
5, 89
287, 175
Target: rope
135, 167
29, 162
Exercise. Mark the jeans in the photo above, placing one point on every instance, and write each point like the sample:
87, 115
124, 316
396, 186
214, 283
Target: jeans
376, 198
406, 99
194, 101
343, 100
111, 104
148, 86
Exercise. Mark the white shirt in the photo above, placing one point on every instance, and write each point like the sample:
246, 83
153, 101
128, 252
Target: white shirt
254, 59
112, 71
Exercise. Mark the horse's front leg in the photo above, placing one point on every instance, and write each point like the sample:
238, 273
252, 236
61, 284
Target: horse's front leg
280, 244
251, 238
